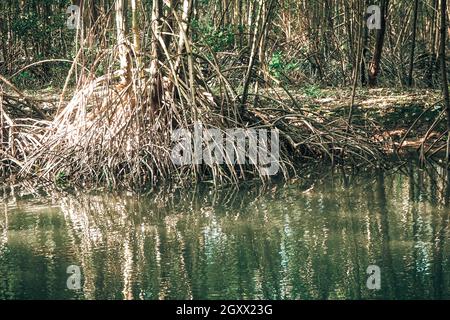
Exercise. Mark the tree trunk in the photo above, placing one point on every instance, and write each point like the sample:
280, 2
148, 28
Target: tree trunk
432, 58
374, 65
413, 45
125, 64
157, 54
365, 50
444, 69
261, 25
135, 4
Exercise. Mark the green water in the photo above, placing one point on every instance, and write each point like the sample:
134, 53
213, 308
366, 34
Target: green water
283, 242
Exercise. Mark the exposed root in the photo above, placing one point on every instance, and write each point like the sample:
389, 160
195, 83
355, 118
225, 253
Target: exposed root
19, 136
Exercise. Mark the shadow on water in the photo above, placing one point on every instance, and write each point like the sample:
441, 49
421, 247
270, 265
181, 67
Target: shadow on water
281, 242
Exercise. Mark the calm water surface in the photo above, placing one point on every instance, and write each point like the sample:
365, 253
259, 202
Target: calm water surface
295, 241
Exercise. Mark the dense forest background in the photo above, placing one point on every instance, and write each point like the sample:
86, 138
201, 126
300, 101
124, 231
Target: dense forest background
301, 42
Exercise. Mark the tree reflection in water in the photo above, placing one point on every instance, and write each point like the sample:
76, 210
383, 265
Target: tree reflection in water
253, 243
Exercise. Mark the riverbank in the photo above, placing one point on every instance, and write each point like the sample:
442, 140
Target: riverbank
313, 126
393, 110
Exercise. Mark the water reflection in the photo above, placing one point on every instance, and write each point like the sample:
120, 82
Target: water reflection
283, 243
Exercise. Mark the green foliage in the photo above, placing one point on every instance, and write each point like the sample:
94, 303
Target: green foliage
279, 66
217, 39
61, 179
313, 91
32, 27
23, 78
40, 35
276, 64
25, 25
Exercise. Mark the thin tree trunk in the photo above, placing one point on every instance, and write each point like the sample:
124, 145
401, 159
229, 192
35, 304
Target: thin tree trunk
135, 5
413, 45
356, 69
445, 90
157, 55
256, 43
125, 65
157, 13
184, 29
365, 50
374, 66
432, 59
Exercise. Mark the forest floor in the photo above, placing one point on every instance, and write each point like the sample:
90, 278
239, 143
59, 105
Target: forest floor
393, 110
